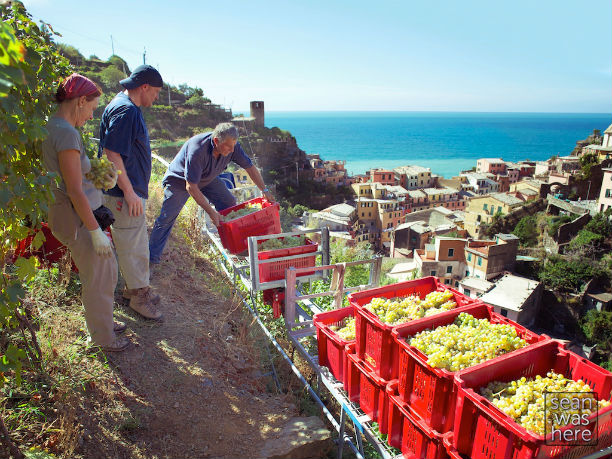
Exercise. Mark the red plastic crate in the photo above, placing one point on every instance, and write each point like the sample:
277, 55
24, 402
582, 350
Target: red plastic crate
365, 387
51, 250
482, 431
375, 344
409, 433
276, 271
430, 391
234, 234
451, 452
332, 352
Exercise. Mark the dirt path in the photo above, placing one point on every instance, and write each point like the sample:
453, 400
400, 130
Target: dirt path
191, 386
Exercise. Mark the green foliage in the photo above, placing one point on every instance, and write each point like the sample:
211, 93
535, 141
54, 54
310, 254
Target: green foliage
585, 238
566, 275
30, 67
597, 327
600, 224
197, 101
526, 230
70, 52
556, 222
111, 76
586, 162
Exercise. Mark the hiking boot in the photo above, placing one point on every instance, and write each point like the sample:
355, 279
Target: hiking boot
120, 343
119, 327
141, 303
128, 293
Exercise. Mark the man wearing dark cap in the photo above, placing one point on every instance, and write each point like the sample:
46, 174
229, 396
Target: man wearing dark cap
124, 139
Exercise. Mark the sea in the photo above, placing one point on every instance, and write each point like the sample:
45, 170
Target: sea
446, 142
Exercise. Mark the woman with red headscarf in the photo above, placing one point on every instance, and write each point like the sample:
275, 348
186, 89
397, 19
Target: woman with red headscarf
71, 216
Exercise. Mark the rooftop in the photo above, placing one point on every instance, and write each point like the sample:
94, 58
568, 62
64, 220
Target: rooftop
510, 292
436, 191
493, 160
506, 199
342, 210
412, 170
476, 283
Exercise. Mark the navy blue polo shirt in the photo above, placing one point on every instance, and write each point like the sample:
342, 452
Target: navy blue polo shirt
123, 130
195, 162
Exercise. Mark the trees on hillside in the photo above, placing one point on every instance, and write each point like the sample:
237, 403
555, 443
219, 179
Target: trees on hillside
527, 231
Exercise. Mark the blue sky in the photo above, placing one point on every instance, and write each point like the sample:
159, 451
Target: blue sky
441, 55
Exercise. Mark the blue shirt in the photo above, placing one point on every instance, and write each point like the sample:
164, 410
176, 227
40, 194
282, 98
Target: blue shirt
195, 162
123, 130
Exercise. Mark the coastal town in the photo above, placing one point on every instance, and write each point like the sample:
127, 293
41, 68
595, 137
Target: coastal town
290, 308
460, 229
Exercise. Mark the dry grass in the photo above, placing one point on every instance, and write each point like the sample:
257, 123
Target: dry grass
192, 386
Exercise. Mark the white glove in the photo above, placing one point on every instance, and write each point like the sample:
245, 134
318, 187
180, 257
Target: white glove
101, 243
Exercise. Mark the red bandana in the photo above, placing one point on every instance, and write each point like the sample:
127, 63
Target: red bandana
77, 85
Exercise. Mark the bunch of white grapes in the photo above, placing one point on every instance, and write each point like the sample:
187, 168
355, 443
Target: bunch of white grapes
466, 342
523, 400
347, 332
272, 244
102, 173
402, 309
246, 210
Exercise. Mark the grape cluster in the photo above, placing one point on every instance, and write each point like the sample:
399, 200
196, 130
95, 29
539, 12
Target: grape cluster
246, 210
402, 309
272, 244
466, 342
523, 400
102, 173
347, 332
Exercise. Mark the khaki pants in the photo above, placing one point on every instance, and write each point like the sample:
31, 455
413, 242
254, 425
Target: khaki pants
98, 275
131, 242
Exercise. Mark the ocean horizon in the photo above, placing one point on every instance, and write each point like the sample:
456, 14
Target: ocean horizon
446, 142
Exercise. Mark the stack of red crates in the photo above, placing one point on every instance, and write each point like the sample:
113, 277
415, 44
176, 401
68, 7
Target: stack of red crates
374, 363
429, 391
234, 234
431, 412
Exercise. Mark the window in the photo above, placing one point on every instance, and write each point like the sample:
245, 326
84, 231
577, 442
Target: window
485, 206
449, 270
499, 208
469, 258
608, 193
432, 273
447, 281
479, 261
456, 283
504, 312
451, 252
466, 291
363, 214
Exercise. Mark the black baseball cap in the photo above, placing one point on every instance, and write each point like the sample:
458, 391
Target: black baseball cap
143, 74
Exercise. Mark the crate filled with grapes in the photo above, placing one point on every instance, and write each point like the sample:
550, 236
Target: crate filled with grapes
256, 217
433, 349
283, 247
379, 310
542, 401
409, 433
335, 330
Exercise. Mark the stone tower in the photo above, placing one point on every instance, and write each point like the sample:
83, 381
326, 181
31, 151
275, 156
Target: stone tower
257, 112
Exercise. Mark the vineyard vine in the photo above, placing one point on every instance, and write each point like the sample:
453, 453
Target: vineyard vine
30, 68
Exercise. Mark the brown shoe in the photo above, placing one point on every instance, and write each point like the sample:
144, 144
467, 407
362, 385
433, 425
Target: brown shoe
119, 344
142, 304
128, 293
119, 327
